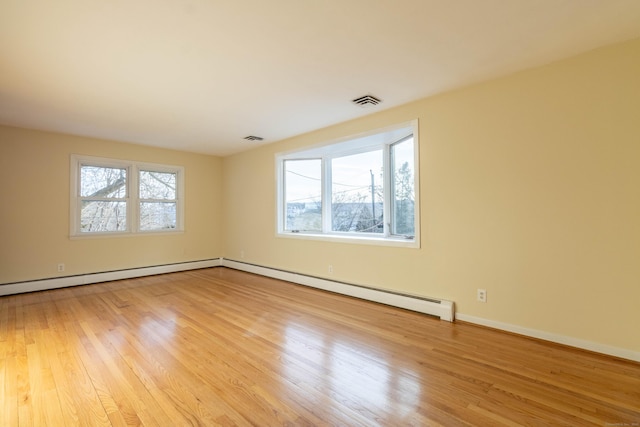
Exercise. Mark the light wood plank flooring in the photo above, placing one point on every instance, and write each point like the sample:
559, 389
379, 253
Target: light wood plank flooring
222, 347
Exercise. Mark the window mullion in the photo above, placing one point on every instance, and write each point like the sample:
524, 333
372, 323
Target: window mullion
76, 201
157, 200
326, 195
133, 195
282, 191
387, 189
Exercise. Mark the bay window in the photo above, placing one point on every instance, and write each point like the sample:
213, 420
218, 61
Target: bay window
363, 188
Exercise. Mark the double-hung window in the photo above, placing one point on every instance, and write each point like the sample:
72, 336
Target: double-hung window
363, 188
115, 197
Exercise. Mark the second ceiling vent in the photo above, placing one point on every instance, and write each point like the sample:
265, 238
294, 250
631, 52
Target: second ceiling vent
366, 101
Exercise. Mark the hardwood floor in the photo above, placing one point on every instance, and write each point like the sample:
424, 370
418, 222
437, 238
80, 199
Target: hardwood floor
222, 347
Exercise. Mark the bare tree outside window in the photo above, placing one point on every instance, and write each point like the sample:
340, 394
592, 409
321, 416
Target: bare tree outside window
103, 193
120, 197
157, 200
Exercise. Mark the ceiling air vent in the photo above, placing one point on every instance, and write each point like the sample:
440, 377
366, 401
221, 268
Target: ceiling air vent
366, 101
253, 138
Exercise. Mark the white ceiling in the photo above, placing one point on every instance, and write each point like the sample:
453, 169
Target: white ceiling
200, 75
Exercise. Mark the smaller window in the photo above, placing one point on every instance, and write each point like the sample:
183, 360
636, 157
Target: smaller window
114, 197
103, 199
158, 200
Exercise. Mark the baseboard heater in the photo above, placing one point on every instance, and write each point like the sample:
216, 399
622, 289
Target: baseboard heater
435, 307
105, 276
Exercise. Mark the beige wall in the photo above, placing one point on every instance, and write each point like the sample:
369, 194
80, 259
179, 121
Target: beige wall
530, 188
34, 209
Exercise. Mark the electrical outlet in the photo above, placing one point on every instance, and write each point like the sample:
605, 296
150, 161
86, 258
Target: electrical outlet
60, 268
330, 269
241, 254
482, 295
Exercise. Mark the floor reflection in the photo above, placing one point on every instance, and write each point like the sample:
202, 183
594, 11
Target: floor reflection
349, 371
158, 332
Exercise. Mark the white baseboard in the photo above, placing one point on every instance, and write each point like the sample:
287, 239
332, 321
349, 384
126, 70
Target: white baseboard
556, 338
444, 310
440, 308
86, 279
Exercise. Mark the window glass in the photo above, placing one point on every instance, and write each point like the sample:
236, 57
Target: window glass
98, 181
102, 216
356, 193
403, 201
303, 195
157, 185
157, 216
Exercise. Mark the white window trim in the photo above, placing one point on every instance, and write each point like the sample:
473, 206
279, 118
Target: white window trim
132, 198
347, 146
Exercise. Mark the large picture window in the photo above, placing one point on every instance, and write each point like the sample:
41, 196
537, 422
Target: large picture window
114, 197
363, 188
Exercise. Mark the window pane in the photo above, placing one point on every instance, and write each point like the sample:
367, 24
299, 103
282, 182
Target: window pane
157, 185
356, 193
103, 216
157, 216
103, 182
402, 221
303, 195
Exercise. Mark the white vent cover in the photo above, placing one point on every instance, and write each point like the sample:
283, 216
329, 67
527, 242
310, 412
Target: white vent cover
253, 138
366, 101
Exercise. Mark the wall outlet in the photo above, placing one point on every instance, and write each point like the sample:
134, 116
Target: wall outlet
330, 269
241, 254
482, 295
60, 268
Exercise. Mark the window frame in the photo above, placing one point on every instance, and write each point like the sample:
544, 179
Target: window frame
383, 138
132, 199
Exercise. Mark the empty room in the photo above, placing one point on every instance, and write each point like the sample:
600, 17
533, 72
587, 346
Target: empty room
331, 213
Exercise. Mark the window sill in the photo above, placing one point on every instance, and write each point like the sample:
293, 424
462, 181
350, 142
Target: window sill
84, 236
359, 240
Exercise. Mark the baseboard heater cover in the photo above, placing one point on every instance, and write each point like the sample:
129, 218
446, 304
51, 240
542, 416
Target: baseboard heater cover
440, 308
443, 309
86, 279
